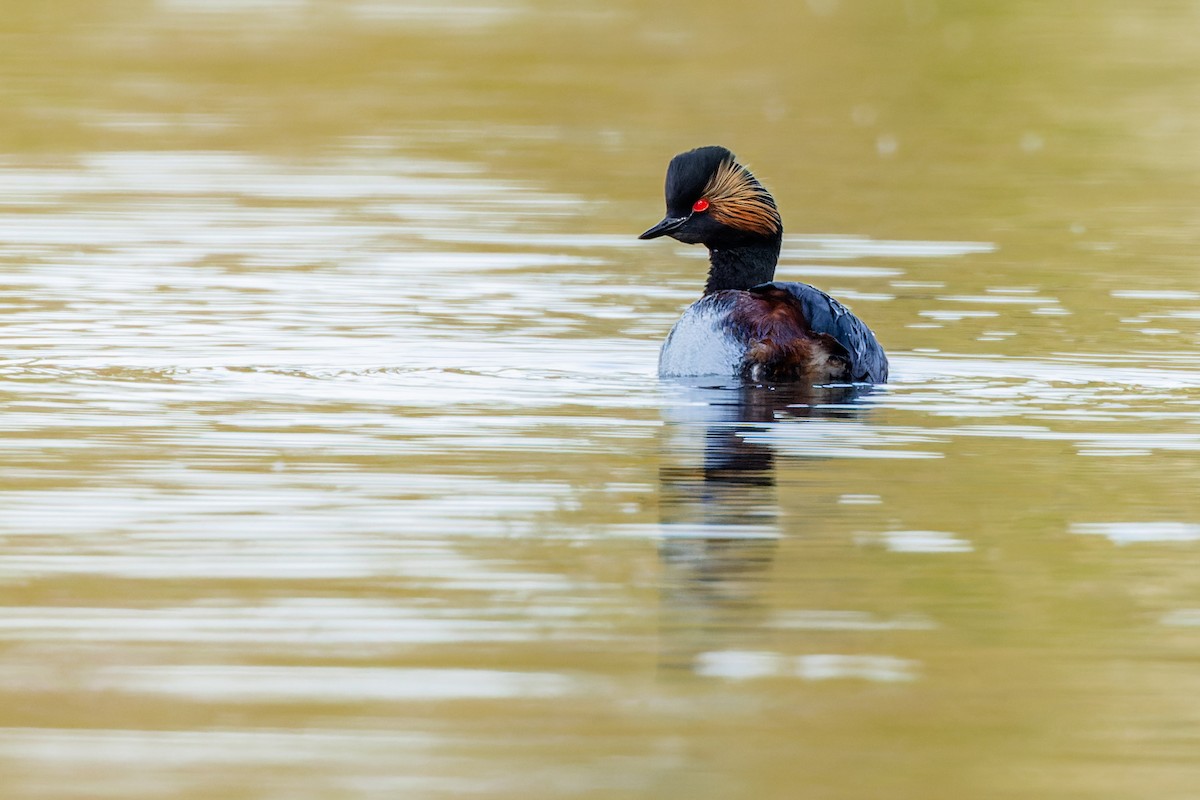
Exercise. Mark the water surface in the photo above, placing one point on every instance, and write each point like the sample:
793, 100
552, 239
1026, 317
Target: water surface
335, 464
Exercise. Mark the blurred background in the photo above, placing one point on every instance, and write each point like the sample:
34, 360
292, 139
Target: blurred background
335, 464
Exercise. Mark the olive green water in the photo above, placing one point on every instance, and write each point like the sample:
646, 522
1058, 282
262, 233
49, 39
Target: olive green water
334, 463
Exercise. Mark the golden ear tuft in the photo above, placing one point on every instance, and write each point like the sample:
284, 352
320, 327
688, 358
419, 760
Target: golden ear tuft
738, 200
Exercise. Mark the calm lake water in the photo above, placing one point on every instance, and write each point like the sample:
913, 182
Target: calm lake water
335, 464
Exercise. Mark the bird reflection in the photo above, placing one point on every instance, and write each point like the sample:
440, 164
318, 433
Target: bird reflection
719, 510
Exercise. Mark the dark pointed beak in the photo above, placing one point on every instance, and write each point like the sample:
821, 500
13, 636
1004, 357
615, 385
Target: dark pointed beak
663, 228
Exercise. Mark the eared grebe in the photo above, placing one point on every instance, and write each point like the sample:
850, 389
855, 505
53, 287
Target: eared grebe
745, 325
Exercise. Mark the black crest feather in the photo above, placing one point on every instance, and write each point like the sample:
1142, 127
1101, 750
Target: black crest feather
688, 174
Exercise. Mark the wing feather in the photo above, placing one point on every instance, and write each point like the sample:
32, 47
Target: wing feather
825, 315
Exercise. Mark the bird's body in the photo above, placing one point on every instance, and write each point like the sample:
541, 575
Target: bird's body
774, 332
745, 326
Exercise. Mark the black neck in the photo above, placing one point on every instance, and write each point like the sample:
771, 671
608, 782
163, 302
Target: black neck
744, 266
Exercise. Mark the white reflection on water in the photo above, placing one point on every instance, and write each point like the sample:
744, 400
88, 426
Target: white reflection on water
1000, 299
309, 622
331, 684
924, 542
955, 316
835, 439
746, 665
843, 246
1181, 618
850, 621
454, 14
1140, 532
135, 752
133, 749
308, 762
1154, 294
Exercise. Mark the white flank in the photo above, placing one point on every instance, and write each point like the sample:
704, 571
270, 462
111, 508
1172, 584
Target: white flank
700, 345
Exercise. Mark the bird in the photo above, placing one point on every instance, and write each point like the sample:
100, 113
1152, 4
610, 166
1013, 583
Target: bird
747, 325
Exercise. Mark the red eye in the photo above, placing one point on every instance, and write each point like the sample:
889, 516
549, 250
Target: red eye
700, 205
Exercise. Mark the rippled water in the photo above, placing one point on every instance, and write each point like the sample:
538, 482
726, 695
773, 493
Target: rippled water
335, 463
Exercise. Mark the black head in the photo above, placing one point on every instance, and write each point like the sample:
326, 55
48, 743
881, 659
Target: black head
715, 201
